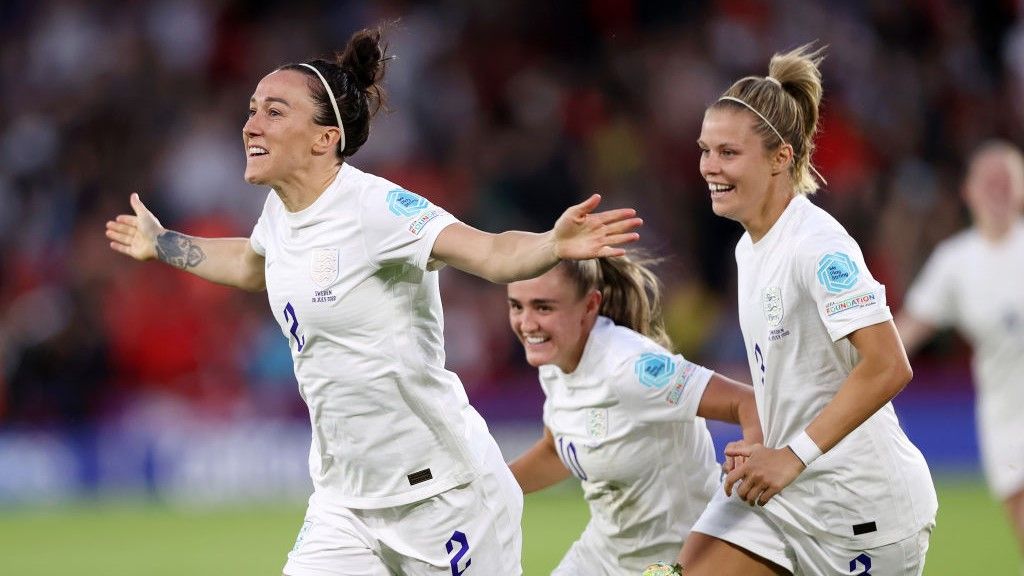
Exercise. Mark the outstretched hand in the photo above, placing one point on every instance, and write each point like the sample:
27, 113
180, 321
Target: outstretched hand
581, 234
764, 472
135, 235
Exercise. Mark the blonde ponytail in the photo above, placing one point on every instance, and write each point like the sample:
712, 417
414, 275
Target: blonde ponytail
630, 292
787, 102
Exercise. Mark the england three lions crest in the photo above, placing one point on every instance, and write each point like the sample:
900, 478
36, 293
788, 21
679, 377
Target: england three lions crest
324, 266
771, 301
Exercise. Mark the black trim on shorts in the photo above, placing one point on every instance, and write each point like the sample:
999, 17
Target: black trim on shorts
865, 528
419, 477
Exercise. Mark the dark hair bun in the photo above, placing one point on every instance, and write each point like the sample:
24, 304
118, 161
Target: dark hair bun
364, 58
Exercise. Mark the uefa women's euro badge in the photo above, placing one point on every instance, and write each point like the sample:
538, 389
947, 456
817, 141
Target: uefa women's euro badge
660, 569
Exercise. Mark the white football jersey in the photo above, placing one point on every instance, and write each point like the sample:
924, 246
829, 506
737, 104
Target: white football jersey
802, 289
625, 423
975, 285
349, 281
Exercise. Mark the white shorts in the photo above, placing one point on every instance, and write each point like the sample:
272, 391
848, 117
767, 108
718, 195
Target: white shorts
902, 558
733, 520
1001, 442
593, 554
471, 529
570, 564
749, 527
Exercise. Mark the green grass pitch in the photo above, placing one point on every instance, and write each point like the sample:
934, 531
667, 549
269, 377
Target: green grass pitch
124, 539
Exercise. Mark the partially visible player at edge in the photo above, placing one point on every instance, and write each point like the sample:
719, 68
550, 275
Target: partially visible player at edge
837, 487
622, 412
407, 479
973, 281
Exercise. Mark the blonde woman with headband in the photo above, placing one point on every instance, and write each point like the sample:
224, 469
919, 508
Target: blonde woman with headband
972, 282
836, 487
407, 479
622, 413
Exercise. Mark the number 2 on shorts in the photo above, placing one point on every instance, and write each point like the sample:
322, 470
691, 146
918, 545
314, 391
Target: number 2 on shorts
862, 560
460, 539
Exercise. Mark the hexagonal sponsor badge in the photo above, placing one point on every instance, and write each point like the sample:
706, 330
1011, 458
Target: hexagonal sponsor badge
654, 370
837, 272
401, 202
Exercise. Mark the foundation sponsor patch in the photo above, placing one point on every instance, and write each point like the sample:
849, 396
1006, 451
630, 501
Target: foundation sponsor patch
416, 224
675, 393
836, 307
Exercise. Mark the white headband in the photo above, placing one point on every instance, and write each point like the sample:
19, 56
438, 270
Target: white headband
334, 104
777, 133
759, 115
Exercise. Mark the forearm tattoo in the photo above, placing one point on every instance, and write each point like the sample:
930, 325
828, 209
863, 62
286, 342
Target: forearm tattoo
178, 250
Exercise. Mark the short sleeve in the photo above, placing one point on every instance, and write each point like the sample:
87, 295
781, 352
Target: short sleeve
847, 297
931, 297
258, 238
657, 387
400, 227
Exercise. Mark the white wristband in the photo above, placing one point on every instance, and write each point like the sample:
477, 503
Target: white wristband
805, 448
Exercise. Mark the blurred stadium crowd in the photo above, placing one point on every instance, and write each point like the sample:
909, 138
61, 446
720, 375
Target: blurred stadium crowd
503, 111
